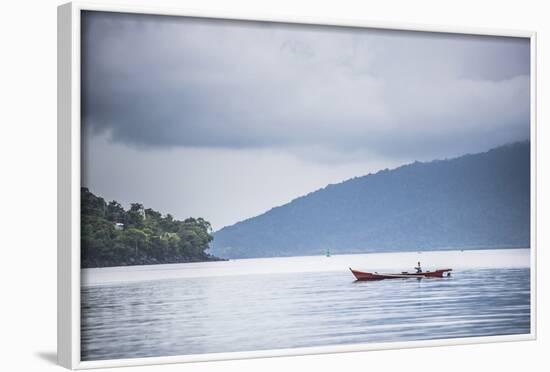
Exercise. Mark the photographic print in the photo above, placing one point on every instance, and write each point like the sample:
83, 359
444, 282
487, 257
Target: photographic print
252, 185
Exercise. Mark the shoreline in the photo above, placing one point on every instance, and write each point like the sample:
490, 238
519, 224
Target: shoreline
152, 261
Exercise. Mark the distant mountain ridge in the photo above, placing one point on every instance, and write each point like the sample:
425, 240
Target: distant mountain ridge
476, 200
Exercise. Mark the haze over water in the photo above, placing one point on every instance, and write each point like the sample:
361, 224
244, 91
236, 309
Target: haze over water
276, 303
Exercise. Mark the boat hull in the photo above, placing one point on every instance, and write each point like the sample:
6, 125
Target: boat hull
362, 275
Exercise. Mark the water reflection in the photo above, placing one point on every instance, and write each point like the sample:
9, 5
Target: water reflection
287, 310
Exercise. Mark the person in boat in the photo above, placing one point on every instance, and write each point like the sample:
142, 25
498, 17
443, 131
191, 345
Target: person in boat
418, 268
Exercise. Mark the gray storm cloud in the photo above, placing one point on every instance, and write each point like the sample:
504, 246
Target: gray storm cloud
157, 81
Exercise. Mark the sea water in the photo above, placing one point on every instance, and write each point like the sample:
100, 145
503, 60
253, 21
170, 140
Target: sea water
279, 303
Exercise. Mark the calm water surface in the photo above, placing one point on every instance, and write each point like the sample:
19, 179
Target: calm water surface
158, 311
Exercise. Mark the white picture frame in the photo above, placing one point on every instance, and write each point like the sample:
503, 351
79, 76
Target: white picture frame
69, 185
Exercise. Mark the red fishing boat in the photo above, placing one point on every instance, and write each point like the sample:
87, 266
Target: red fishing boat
361, 275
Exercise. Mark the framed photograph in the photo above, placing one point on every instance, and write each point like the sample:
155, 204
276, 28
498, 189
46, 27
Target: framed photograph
237, 186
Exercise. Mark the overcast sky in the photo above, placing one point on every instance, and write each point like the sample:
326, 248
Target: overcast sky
225, 119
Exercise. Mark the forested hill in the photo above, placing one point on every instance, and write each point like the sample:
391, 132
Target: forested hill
112, 236
474, 201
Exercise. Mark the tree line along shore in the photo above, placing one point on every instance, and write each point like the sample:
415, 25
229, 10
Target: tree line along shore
114, 236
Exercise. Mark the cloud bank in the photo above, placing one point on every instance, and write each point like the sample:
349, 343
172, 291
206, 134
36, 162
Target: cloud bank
321, 93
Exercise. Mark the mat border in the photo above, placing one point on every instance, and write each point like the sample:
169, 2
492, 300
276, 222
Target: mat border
68, 192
